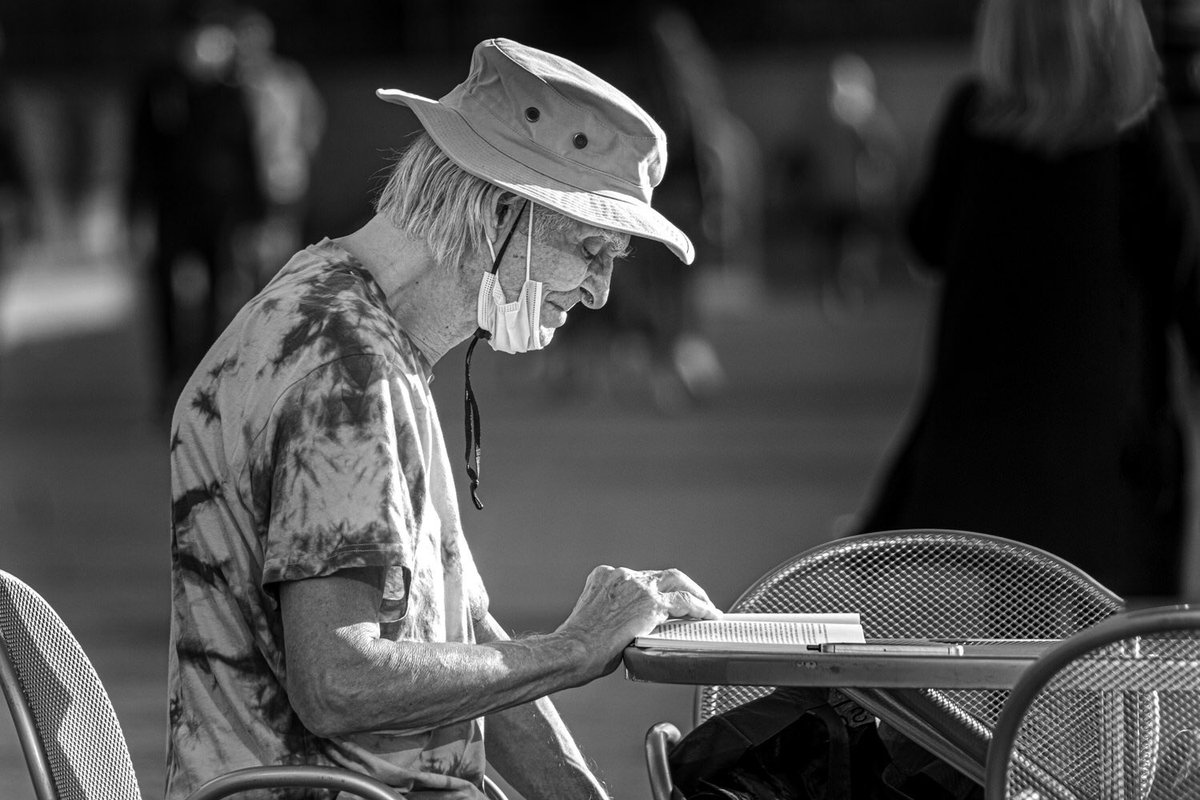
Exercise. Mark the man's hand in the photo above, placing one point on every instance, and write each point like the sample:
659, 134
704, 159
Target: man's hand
429, 786
619, 604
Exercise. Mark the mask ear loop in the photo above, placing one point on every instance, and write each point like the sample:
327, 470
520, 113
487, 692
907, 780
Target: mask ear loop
473, 430
528, 243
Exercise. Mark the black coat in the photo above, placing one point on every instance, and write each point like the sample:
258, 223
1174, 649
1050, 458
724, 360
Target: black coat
1048, 416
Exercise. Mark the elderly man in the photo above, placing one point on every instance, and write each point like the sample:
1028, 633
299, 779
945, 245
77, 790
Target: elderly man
326, 608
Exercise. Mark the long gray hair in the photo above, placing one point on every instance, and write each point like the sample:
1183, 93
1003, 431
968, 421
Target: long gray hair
431, 197
1059, 74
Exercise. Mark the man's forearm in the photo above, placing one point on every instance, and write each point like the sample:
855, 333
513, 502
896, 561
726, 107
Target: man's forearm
343, 677
531, 747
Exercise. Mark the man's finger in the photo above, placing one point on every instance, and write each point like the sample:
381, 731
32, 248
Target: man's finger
433, 786
686, 604
673, 580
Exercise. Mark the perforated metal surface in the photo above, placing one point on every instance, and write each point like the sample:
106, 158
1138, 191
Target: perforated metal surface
1121, 721
78, 728
930, 584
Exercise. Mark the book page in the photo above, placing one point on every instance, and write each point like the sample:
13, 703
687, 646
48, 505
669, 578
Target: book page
821, 618
769, 632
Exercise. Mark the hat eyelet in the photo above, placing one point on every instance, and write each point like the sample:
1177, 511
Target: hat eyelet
580, 141
533, 114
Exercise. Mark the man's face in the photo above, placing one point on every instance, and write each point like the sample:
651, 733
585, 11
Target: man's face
575, 264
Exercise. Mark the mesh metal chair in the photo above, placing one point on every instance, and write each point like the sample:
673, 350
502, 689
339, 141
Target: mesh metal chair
917, 584
1112, 712
73, 743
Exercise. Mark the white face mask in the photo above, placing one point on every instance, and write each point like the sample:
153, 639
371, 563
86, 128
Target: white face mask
514, 327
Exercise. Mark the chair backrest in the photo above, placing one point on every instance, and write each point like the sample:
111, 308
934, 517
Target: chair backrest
928, 584
1112, 712
72, 739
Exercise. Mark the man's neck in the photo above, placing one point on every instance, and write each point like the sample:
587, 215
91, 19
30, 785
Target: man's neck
435, 305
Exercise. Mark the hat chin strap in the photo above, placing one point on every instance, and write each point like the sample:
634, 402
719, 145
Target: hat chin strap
473, 430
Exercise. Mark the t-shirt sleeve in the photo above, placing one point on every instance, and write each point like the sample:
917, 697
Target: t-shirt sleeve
344, 478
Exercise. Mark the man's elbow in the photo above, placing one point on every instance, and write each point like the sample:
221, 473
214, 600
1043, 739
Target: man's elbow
319, 703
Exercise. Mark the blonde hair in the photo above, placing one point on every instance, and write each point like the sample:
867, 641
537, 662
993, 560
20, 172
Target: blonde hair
431, 197
1063, 73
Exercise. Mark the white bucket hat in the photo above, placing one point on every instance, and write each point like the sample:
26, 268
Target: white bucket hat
549, 131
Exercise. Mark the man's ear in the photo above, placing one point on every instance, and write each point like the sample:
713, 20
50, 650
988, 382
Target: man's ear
505, 204
491, 225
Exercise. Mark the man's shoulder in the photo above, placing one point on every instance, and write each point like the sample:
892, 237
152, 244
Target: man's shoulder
321, 317
324, 305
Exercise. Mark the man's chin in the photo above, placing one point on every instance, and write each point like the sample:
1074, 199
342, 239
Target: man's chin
545, 335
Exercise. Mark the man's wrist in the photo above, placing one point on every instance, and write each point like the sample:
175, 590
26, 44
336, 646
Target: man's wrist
577, 652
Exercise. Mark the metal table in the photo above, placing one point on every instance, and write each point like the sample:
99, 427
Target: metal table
888, 685
982, 665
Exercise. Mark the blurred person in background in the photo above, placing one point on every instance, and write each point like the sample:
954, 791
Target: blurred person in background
15, 213
194, 192
1060, 215
325, 605
862, 166
14, 184
288, 118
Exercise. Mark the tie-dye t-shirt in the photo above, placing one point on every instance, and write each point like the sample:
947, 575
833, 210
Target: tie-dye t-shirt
307, 442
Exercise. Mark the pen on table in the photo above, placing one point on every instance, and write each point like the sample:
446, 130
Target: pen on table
897, 648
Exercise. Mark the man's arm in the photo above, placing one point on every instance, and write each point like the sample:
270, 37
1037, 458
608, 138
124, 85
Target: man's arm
531, 747
342, 677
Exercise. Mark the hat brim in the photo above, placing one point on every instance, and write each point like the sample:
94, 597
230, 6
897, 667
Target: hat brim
466, 148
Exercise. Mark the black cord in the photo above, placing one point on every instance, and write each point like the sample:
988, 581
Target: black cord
473, 431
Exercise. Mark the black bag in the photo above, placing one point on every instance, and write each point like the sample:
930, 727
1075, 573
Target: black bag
808, 744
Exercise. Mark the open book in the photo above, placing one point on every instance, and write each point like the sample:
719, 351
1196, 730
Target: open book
754, 632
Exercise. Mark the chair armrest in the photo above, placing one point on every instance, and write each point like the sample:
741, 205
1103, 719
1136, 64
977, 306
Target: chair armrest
298, 777
659, 741
310, 778
493, 790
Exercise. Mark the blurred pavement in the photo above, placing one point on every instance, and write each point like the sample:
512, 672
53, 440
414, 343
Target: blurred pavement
724, 492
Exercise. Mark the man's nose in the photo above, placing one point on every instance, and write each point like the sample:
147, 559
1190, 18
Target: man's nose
594, 289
